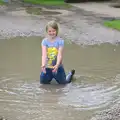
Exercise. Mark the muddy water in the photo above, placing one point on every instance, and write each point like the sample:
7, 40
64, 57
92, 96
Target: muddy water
21, 97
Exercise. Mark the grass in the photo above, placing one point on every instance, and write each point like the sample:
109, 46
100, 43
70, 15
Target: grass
48, 2
115, 24
1, 2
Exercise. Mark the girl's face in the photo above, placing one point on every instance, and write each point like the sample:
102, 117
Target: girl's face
51, 32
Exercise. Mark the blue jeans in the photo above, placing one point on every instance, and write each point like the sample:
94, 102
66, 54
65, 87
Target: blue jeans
59, 76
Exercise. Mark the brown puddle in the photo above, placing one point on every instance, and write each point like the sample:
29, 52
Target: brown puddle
21, 97
40, 11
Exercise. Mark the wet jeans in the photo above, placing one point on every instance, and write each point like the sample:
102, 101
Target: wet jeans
59, 76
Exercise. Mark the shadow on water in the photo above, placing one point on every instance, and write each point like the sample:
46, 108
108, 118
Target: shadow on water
22, 97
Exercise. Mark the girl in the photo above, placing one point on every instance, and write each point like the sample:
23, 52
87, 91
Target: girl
52, 55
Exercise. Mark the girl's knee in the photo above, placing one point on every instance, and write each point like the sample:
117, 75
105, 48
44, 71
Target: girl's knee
44, 78
62, 82
44, 81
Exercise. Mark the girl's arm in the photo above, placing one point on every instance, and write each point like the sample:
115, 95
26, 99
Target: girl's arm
60, 55
44, 55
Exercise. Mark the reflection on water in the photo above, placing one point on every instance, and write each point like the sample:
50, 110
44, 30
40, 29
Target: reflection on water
22, 97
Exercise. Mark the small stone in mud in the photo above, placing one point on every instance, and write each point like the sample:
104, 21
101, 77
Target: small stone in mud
113, 113
1, 118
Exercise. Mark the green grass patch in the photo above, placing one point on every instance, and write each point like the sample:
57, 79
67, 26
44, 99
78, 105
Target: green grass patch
1, 2
48, 2
115, 24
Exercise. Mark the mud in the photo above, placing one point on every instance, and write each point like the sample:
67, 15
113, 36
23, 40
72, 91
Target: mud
86, 26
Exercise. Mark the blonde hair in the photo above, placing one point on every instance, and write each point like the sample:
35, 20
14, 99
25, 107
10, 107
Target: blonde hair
53, 24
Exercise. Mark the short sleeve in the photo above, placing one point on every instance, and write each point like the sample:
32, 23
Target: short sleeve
44, 43
61, 42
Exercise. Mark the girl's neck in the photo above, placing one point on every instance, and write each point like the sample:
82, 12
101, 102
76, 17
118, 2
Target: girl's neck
52, 39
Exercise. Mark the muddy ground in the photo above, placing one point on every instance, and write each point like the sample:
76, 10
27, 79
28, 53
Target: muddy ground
76, 25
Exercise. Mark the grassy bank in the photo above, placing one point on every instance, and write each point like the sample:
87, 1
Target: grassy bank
115, 24
1, 2
48, 2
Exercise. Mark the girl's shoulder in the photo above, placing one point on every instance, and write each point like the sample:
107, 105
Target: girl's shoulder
44, 41
60, 41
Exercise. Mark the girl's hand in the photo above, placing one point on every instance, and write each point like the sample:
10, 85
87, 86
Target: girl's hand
43, 69
55, 68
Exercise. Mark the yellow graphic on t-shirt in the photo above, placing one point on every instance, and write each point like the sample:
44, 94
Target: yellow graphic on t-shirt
52, 56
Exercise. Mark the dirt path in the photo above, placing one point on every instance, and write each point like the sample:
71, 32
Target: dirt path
104, 8
78, 25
